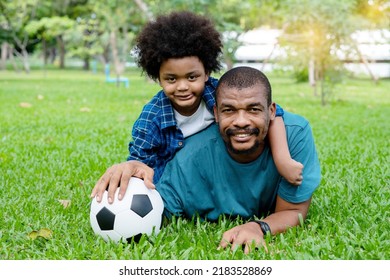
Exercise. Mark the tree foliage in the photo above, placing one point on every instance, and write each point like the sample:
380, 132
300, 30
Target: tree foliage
314, 32
105, 29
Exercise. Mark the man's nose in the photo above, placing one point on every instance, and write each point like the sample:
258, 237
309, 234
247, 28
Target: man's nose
241, 119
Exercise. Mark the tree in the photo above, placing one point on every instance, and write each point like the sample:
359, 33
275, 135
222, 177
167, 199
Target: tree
14, 16
309, 35
49, 28
120, 21
315, 31
85, 40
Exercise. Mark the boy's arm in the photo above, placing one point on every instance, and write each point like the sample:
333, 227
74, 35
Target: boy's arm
139, 164
119, 175
288, 168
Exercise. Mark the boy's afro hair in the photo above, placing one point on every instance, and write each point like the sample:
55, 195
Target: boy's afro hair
178, 35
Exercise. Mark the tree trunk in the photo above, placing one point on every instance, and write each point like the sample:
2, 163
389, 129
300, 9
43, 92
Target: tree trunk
365, 62
4, 55
119, 67
312, 76
323, 100
61, 47
145, 9
44, 52
52, 54
86, 64
25, 59
12, 58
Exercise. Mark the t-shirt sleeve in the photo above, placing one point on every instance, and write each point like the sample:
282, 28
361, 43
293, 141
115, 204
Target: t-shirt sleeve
279, 111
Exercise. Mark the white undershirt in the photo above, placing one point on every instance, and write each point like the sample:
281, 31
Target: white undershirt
198, 121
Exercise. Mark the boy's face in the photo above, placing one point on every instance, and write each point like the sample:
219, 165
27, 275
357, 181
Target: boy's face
183, 81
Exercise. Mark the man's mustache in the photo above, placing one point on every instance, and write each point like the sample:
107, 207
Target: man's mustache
235, 131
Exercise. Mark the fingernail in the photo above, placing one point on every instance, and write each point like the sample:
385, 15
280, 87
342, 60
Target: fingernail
120, 196
109, 200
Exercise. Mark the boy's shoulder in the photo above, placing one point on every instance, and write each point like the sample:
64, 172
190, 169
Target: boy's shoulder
158, 110
212, 81
158, 101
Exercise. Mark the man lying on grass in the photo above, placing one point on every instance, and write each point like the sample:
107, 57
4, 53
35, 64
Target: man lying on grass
228, 169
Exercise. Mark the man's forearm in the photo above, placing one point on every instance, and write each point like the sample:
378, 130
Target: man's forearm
287, 215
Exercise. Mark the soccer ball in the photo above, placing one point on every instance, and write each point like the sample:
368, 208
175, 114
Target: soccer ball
139, 212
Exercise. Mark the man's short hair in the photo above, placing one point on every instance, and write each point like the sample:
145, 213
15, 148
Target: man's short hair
245, 77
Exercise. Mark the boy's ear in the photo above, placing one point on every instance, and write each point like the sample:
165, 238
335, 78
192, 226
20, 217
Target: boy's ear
215, 114
272, 110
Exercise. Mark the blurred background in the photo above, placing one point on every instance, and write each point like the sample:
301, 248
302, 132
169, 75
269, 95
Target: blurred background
318, 41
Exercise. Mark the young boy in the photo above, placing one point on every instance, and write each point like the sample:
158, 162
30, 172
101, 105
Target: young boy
180, 51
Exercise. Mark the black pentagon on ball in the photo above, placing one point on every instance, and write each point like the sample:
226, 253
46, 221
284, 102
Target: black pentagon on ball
136, 238
141, 205
105, 219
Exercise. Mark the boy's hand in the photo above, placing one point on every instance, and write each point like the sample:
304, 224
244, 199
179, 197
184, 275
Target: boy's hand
119, 175
292, 171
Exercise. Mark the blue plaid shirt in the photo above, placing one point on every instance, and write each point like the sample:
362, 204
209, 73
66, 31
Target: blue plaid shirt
156, 136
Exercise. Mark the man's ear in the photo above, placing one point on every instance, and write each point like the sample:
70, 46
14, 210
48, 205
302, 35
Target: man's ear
215, 113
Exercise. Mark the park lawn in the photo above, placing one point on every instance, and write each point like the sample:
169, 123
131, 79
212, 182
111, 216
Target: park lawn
60, 130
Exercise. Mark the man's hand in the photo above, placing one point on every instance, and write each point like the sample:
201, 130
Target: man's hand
248, 234
119, 175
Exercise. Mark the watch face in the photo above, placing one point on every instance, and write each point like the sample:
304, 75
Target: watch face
265, 227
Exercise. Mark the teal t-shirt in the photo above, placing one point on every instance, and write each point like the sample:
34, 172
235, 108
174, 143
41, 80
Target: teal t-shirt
203, 179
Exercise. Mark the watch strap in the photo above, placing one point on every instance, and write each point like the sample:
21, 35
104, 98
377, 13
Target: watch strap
263, 226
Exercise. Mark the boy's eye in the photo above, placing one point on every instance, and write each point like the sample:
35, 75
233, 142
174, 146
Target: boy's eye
192, 78
171, 80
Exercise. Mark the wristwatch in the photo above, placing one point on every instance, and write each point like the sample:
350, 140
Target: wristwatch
264, 226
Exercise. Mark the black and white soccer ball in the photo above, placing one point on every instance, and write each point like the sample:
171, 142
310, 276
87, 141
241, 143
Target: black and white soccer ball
139, 212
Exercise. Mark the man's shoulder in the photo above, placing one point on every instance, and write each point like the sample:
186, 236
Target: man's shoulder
200, 138
291, 119
195, 144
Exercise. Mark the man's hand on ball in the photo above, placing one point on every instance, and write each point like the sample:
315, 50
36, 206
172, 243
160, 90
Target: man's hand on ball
119, 175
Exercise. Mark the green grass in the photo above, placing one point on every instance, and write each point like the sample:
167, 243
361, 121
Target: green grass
78, 125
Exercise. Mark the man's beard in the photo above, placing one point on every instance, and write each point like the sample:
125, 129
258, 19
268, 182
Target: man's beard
243, 152
232, 132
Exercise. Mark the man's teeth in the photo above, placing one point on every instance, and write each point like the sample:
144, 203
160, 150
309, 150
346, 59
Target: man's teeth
242, 135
